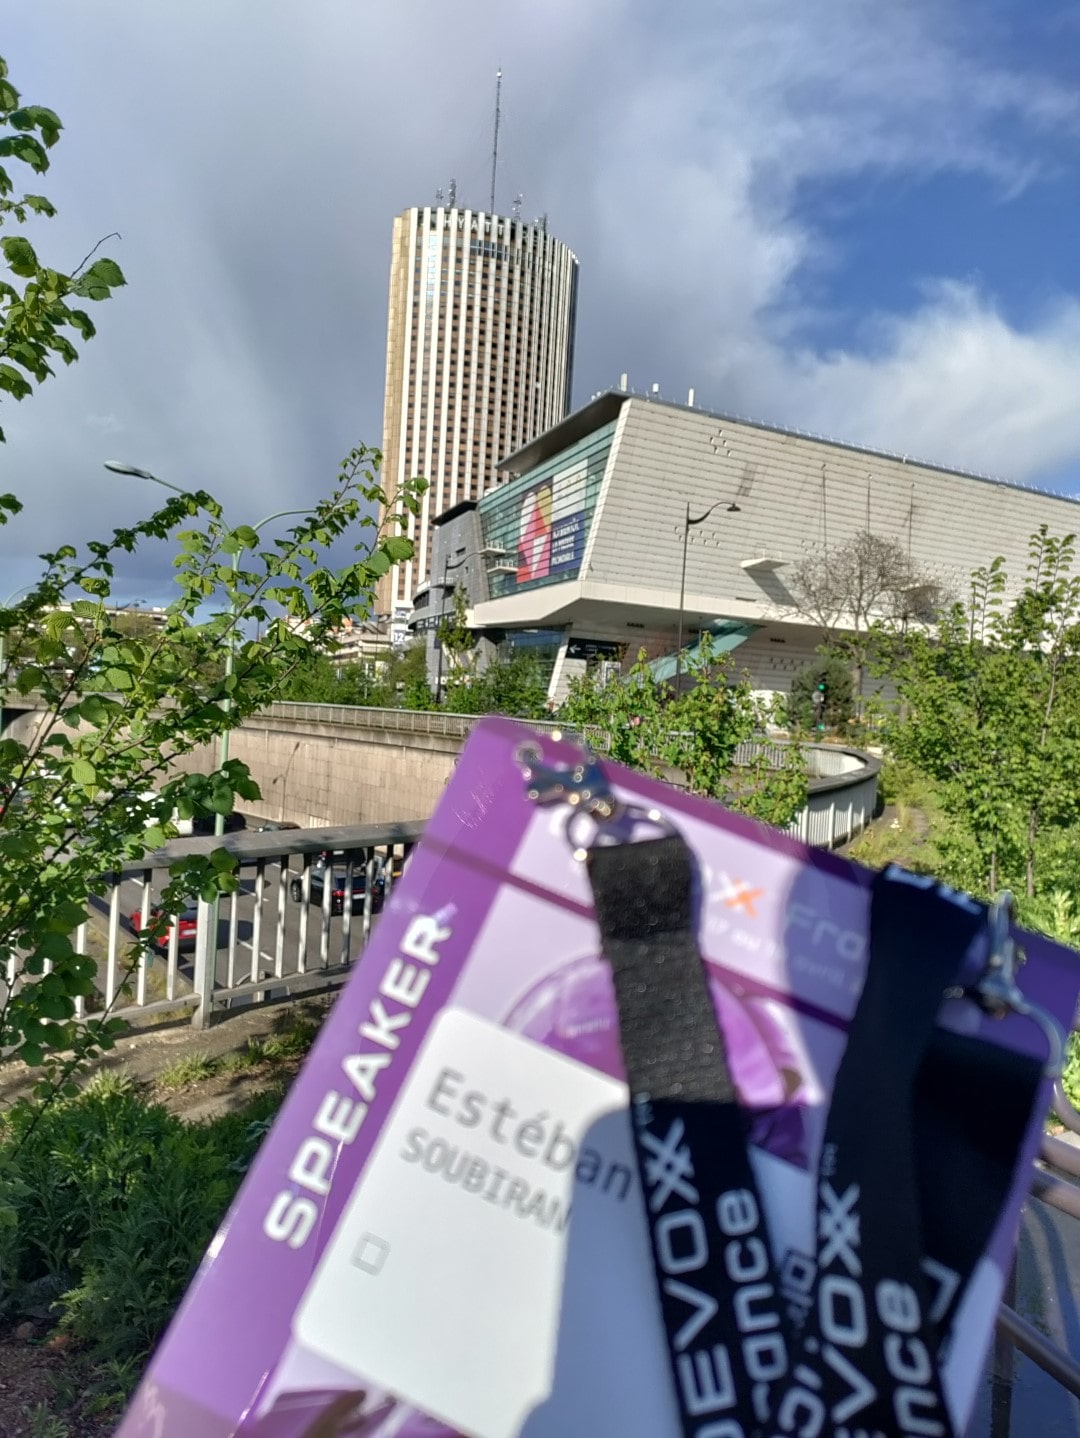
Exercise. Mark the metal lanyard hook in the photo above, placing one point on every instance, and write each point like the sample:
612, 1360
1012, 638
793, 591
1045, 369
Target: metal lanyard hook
583, 786
997, 992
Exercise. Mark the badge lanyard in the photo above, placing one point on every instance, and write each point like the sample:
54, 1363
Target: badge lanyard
909, 1190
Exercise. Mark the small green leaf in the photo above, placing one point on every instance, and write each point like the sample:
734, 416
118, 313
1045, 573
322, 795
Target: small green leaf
220, 799
106, 272
396, 548
83, 772
20, 255
25, 148
47, 122
13, 382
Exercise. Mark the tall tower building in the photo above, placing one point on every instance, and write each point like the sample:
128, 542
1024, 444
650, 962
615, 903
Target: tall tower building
479, 360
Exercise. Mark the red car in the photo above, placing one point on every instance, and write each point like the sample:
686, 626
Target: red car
187, 924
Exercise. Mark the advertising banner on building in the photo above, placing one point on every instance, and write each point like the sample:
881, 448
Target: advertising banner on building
551, 535
534, 535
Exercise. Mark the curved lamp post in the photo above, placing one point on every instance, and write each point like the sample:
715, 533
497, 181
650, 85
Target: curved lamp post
732, 508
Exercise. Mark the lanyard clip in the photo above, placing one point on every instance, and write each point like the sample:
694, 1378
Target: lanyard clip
583, 785
997, 992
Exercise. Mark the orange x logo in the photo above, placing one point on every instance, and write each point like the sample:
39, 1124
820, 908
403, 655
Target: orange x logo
740, 895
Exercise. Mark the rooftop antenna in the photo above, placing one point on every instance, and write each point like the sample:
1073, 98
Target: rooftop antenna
439, 198
495, 145
452, 194
519, 200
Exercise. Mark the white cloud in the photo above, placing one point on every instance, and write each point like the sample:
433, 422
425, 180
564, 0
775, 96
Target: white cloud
253, 167
954, 382
697, 199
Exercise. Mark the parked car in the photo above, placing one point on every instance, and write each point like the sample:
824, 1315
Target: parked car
336, 865
186, 925
272, 826
204, 825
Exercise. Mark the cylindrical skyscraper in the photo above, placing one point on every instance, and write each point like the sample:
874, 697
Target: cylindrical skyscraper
479, 360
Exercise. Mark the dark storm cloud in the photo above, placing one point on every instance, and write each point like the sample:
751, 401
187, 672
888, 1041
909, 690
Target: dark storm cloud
253, 153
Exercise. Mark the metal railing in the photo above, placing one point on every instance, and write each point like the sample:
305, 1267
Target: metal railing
400, 721
295, 924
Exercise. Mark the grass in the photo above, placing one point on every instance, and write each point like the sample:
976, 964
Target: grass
283, 1049
187, 1070
111, 1200
44, 1424
904, 835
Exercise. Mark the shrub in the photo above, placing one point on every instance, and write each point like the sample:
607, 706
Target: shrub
117, 1199
829, 676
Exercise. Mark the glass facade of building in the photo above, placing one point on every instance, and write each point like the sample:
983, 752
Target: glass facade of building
541, 519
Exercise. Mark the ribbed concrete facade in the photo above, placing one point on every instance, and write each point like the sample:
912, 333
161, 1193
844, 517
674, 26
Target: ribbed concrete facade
479, 359
595, 512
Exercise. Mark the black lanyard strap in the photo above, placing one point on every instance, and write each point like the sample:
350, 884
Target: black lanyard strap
973, 1105
896, 1240
726, 1333
870, 1338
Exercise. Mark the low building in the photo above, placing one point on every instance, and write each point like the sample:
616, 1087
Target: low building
356, 641
579, 553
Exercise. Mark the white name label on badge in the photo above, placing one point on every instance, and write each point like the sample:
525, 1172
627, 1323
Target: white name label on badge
458, 1279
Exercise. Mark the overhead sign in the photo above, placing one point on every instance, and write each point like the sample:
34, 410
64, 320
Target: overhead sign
594, 649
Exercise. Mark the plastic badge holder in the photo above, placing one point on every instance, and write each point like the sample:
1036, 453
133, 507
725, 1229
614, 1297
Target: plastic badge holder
445, 1216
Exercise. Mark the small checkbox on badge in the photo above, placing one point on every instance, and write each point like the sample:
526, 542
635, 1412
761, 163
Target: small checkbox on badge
370, 1254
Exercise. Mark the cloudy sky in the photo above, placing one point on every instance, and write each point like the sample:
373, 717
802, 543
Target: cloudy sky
854, 217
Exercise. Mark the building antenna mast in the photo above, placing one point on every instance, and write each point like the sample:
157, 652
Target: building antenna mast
495, 145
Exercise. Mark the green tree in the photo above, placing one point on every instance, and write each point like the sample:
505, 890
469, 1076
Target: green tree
458, 650
636, 720
990, 710
406, 678
321, 679
515, 684
822, 694
40, 310
92, 789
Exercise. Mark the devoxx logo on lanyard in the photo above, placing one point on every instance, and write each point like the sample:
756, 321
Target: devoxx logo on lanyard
861, 1357
864, 1361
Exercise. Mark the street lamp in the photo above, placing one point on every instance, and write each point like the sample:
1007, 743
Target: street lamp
488, 552
732, 508
118, 467
230, 649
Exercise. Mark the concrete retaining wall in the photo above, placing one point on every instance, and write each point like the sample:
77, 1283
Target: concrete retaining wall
330, 776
